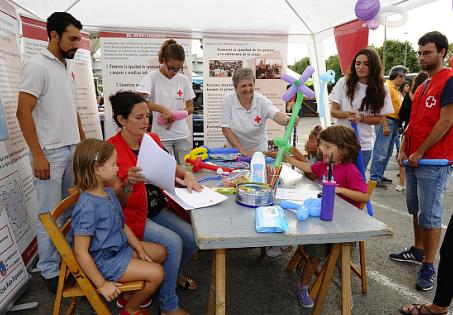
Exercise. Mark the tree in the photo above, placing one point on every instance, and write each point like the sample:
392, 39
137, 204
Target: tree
448, 56
333, 63
395, 51
300, 65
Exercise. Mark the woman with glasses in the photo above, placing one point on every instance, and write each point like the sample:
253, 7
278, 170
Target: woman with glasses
146, 210
170, 95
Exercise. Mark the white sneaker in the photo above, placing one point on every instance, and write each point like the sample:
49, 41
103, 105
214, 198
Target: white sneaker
400, 188
275, 251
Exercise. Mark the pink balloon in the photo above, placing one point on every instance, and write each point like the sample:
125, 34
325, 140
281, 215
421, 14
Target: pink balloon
373, 24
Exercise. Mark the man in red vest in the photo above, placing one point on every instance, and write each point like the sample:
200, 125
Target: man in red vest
429, 136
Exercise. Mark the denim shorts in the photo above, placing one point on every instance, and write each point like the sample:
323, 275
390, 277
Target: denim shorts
425, 187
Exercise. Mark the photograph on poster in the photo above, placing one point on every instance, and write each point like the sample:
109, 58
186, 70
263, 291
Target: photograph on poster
223, 68
267, 68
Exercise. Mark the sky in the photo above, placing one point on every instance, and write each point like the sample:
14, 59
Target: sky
435, 16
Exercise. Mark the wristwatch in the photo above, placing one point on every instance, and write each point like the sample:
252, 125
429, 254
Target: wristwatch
362, 117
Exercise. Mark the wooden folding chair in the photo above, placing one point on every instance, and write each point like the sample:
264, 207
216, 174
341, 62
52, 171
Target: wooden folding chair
69, 267
299, 257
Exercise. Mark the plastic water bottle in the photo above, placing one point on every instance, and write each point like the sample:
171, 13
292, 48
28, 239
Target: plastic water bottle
258, 168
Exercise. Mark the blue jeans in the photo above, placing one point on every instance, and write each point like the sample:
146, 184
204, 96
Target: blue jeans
177, 148
383, 149
366, 156
425, 188
49, 193
177, 236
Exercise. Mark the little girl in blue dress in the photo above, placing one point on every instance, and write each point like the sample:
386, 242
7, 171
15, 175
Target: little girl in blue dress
105, 247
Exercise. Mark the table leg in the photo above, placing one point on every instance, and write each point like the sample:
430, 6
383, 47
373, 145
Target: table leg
345, 279
317, 284
211, 296
220, 285
334, 252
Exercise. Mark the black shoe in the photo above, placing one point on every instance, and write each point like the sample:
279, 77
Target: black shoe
52, 284
386, 180
381, 185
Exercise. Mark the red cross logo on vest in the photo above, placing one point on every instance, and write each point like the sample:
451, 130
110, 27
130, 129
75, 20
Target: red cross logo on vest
257, 119
430, 101
179, 92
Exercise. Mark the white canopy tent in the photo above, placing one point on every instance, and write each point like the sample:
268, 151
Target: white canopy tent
309, 21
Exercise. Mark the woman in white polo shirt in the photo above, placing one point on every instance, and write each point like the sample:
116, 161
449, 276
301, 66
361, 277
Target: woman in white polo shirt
170, 94
245, 112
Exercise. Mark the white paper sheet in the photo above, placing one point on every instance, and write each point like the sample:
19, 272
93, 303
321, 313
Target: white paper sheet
158, 166
194, 200
295, 194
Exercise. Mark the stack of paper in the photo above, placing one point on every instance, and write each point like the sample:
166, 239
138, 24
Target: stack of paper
194, 200
295, 194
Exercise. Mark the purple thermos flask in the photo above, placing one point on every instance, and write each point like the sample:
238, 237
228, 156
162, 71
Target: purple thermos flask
328, 195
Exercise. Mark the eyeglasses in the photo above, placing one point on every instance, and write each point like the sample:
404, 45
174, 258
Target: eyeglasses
425, 53
173, 69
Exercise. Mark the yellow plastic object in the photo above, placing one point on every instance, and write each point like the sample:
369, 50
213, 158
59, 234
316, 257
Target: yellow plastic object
225, 190
194, 153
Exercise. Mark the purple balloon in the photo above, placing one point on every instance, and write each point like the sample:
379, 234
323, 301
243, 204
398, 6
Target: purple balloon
367, 9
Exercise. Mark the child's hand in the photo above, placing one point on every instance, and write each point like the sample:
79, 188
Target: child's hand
110, 290
297, 154
339, 190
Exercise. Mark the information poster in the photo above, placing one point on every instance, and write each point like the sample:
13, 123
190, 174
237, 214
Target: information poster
35, 39
17, 192
221, 57
127, 58
13, 274
17, 195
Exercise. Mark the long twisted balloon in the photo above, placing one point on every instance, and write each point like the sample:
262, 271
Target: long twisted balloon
328, 76
297, 86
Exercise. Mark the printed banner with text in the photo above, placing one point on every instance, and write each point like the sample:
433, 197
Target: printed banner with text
127, 58
221, 57
17, 193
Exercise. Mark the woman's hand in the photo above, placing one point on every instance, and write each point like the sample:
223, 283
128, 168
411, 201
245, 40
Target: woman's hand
110, 290
191, 182
167, 114
143, 255
247, 152
135, 175
355, 116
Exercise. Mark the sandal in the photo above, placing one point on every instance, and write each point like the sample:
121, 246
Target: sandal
420, 308
189, 284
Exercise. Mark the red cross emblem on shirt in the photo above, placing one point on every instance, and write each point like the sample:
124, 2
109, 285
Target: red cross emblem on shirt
179, 92
430, 101
257, 119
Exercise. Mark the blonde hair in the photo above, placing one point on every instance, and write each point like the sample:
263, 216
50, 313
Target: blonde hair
89, 154
170, 49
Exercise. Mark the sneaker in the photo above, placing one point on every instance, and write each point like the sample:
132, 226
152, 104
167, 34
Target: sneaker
411, 255
426, 277
52, 284
400, 188
121, 302
304, 298
381, 185
275, 251
386, 180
